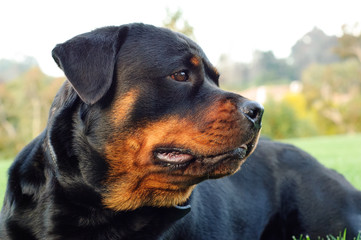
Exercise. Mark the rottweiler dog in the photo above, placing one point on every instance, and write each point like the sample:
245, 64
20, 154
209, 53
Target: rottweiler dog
137, 127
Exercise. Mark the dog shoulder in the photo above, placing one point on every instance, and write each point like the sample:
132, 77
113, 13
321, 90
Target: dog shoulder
26, 174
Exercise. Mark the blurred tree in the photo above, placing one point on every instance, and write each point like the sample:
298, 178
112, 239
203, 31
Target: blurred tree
267, 69
314, 47
234, 75
176, 22
349, 44
285, 120
24, 107
329, 89
332, 82
11, 69
352, 114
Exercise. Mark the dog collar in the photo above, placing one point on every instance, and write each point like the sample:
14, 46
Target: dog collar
181, 211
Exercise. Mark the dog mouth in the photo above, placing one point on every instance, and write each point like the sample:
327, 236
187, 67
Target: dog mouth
177, 157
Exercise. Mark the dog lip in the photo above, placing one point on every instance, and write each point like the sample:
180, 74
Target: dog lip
173, 155
178, 156
235, 154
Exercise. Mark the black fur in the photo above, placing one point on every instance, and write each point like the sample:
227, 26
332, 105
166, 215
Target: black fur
280, 192
56, 183
88, 61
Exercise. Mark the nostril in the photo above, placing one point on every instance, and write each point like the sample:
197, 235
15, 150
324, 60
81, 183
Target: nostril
253, 111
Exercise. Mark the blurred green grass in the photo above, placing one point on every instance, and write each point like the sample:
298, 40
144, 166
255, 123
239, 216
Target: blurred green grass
4, 166
341, 153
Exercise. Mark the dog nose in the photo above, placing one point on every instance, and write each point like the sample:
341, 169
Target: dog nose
253, 111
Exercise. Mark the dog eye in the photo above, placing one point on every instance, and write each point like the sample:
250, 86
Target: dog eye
181, 76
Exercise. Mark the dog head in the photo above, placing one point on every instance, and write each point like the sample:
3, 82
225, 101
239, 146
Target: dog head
153, 113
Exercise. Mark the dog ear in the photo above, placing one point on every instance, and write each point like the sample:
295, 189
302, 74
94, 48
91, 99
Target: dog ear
88, 61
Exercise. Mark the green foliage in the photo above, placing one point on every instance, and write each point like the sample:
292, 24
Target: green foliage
287, 119
341, 236
10, 69
349, 44
176, 22
24, 107
351, 112
328, 104
314, 47
333, 91
331, 81
4, 166
267, 69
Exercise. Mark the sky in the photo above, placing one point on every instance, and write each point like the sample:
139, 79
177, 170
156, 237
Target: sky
236, 28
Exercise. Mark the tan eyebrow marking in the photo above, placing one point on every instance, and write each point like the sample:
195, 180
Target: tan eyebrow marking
195, 61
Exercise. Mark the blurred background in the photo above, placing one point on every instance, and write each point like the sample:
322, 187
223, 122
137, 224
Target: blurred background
300, 59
